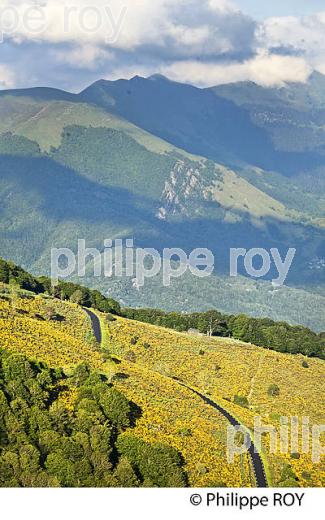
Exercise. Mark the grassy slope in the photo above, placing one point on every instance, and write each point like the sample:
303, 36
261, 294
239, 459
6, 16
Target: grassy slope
44, 122
239, 196
224, 368
217, 367
169, 412
28, 229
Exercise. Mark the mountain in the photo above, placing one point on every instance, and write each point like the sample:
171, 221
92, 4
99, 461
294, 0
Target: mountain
169, 165
275, 129
293, 118
193, 119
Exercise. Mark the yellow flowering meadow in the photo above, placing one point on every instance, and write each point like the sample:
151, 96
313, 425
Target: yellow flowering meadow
223, 368
25, 328
169, 413
151, 362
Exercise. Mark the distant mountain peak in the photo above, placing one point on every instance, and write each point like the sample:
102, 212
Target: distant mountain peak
158, 77
316, 76
137, 78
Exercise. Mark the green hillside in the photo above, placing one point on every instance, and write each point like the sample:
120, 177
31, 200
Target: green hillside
293, 118
43, 121
278, 130
73, 166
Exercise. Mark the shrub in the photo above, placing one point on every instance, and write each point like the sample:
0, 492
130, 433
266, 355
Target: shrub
295, 456
288, 478
241, 400
81, 374
185, 432
110, 318
130, 356
201, 469
120, 376
4, 272
273, 390
77, 297
125, 474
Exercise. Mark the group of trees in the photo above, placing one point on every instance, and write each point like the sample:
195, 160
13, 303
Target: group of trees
45, 441
10, 273
211, 322
81, 295
279, 336
262, 332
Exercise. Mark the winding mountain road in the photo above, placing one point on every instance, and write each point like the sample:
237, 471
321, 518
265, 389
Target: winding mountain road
95, 323
256, 459
257, 463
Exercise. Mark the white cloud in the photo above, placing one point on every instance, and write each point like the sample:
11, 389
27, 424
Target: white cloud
204, 42
304, 35
7, 77
127, 24
265, 69
222, 5
83, 57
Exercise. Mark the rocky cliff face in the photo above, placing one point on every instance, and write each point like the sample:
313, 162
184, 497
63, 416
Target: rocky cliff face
187, 189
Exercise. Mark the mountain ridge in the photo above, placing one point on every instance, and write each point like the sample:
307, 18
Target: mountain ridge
111, 175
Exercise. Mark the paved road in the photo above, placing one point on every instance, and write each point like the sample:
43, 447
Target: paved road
256, 459
95, 323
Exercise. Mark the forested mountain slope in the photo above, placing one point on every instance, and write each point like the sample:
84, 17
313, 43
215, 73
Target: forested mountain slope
95, 166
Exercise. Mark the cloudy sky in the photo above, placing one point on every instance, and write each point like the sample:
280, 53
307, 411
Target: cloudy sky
70, 43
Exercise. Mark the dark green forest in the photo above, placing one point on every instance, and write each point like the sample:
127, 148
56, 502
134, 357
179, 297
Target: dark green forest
43, 443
